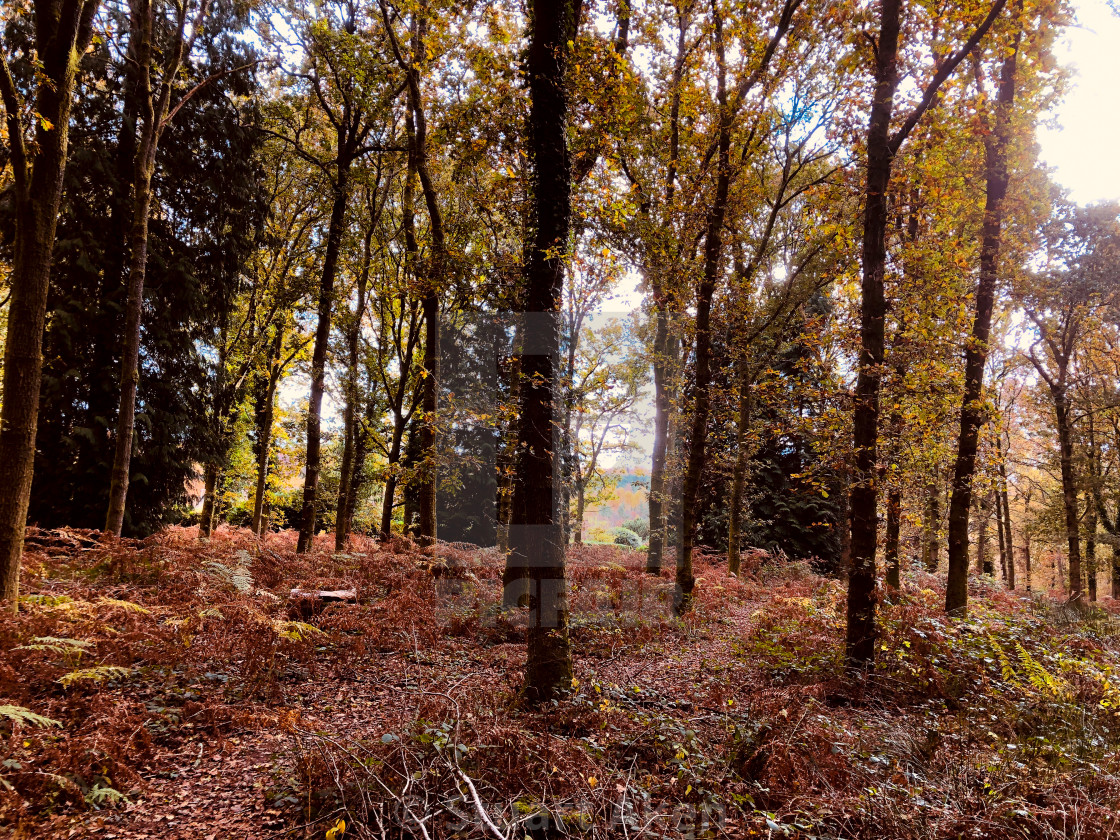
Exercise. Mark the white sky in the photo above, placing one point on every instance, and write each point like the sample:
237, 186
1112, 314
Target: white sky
1085, 147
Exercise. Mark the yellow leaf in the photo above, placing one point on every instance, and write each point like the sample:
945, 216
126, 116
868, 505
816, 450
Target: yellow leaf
592, 781
337, 831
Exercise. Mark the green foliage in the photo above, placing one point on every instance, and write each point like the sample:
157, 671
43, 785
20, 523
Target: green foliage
21, 715
97, 674
626, 537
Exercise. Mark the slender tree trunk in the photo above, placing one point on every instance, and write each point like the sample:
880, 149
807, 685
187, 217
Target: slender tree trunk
536, 548
739, 479
345, 514
1003, 546
264, 413
1069, 492
1091, 549
931, 543
1007, 531
130, 353
62, 32
1115, 572
983, 556
891, 546
391, 479
973, 415
319, 353
209, 505
580, 506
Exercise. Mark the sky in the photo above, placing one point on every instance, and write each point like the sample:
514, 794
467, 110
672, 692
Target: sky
1084, 146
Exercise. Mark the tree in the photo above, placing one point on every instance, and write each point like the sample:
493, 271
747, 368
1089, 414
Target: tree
997, 139
883, 145
63, 31
536, 561
153, 98
1081, 275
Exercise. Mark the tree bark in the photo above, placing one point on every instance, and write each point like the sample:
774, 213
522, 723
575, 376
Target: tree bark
319, 353
983, 556
1062, 411
701, 407
1091, 549
931, 544
344, 514
264, 414
739, 480
209, 505
536, 547
973, 415
62, 34
155, 110
860, 636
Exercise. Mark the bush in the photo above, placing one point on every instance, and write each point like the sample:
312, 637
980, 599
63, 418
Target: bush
626, 537
639, 526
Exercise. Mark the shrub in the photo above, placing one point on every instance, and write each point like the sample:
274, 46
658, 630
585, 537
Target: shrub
626, 537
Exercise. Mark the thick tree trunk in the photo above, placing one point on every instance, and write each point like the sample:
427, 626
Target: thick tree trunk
663, 361
536, 548
319, 353
62, 34
701, 406
860, 639
581, 501
973, 415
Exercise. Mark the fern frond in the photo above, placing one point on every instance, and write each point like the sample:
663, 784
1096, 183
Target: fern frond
56, 644
97, 674
239, 577
22, 715
296, 631
127, 606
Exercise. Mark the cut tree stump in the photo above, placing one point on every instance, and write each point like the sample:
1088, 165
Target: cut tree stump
309, 602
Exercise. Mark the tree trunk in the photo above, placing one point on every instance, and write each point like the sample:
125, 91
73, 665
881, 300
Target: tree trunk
345, 514
860, 637
931, 544
701, 407
209, 504
1069, 492
973, 415
1091, 549
664, 345
62, 34
319, 353
130, 352
739, 480
890, 547
580, 506
983, 556
1007, 531
265, 412
391, 479
1115, 572
536, 549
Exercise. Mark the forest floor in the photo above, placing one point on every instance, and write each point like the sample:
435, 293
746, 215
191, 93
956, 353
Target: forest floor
188, 698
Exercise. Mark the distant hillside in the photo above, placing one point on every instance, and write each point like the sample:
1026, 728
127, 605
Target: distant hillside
631, 501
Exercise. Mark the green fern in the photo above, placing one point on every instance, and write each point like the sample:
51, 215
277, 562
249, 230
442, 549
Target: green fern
1007, 670
1040, 679
296, 631
97, 674
239, 577
127, 606
22, 715
66, 647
